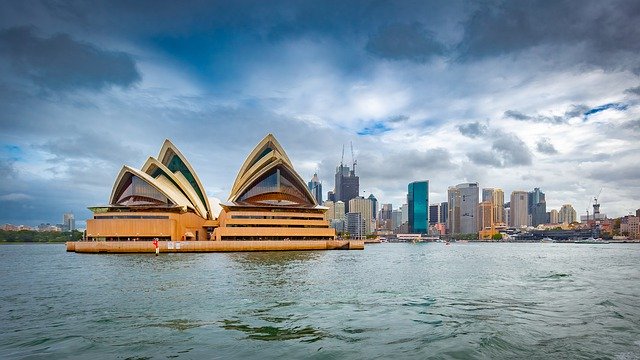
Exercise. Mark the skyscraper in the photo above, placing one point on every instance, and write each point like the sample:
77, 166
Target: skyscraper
519, 209
537, 207
68, 222
347, 184
374, 205
355, 225
444, 212
463, 208
434, 214
315, 187
418, 200
553, 216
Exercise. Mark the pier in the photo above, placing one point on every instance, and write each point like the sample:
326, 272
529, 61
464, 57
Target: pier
120, 247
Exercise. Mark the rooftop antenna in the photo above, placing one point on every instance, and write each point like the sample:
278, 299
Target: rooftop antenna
342, 159
353, 160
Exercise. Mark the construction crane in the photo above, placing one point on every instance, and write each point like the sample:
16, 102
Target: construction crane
596, 205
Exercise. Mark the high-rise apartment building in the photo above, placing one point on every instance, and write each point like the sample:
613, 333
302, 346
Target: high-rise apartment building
355, 225
68, 222
553, 216
365, 208
567, 214
315, 187
519, 216
485, 215
463, 208
417, 201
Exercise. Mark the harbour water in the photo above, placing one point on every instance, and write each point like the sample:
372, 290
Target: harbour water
408, 301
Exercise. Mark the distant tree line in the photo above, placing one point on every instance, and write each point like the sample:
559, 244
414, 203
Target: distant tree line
39, 236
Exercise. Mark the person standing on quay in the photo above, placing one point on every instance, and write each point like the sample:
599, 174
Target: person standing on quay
155, 243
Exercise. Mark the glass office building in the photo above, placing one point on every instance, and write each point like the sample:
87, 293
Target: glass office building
418, 200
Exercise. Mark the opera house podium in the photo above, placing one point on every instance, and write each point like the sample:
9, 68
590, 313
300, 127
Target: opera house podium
269, 208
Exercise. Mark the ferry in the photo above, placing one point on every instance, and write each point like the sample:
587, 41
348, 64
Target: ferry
547, 240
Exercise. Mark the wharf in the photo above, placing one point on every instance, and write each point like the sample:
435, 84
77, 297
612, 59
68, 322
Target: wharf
211, 246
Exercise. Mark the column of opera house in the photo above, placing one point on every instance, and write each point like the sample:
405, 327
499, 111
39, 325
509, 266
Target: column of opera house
269, 208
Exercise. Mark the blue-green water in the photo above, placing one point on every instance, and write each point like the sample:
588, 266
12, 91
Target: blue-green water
418, 301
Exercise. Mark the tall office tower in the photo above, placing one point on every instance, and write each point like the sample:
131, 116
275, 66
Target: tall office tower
519, 204
507, 216
405, 213
553, 216
463, 208
384, 219
444, 212
364, 207
396, 218
539, 214
567, 214
537, 207
487, 194
498, 206
434, 214
418, 202
347, 184
355, 225
315, 187
331, 196
374, 205
485, 215
68, 222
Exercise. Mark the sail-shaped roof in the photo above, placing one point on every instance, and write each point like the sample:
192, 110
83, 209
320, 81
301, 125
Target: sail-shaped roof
156, 169
134, 188
267, 177
173, 160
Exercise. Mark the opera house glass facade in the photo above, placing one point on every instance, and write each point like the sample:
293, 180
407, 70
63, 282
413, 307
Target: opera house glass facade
166, 200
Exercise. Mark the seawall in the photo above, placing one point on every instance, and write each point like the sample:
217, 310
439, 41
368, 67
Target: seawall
210, 246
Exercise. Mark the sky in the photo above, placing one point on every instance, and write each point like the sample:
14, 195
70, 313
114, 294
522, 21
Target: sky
509, 94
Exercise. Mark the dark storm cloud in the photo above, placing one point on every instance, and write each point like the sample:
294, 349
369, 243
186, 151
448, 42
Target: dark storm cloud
546, 147
599, 28
633, 90
507, 150
405, 42
62, 63
473, 129
91, 145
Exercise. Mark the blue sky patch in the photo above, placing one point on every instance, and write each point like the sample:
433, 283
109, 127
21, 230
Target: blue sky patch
597, 109
375, 129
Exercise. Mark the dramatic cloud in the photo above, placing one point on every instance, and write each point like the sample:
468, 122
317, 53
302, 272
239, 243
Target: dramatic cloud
62, 63
405, 42
513, 95
507, 27
633, 90
473, 129
546, 147
507, 150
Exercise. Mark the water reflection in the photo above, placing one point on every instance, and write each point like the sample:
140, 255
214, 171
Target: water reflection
275, 333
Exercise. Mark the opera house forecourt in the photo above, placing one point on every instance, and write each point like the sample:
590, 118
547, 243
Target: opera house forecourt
269, 208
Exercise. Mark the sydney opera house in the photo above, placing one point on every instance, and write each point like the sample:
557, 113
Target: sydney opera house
269, 208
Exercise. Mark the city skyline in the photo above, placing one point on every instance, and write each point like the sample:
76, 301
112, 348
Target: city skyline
451, 92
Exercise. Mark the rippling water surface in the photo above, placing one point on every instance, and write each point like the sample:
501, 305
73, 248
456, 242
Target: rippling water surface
463, 301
